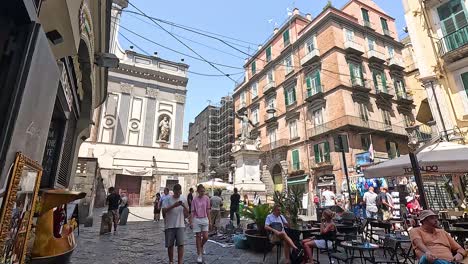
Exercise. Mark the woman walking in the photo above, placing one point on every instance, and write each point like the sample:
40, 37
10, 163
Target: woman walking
157, 208
200, 221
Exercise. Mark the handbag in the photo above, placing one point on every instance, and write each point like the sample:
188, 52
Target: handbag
278, 227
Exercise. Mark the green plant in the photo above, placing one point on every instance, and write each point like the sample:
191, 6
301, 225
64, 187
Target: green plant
258, 214
279, 198
294, 203
329, 4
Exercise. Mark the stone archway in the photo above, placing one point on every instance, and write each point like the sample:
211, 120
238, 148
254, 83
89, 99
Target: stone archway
277, 177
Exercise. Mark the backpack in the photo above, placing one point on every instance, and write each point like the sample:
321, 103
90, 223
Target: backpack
378, 201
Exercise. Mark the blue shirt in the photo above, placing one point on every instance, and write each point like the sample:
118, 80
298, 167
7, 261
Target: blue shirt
271, 218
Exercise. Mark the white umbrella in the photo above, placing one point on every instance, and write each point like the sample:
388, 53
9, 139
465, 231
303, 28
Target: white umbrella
439, 158
216, 184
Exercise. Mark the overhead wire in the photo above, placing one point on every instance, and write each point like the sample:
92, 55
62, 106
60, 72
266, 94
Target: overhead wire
192, 72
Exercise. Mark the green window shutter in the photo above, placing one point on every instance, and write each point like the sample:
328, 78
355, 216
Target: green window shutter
397, 150
309, 83
464, 77
365, 14
293, 94
374, 76
316, 153
254, 68
360, 72
286, 100
318, 83
286, 37
327, 151
384, 23
384, 81
295, 159
389, 149
268, 53
351, 71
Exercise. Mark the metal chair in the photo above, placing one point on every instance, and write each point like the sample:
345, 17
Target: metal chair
278, 245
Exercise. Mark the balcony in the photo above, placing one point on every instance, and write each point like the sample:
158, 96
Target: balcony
376, 56
313, 94
368, 24
296, 168
270, 118
275, 145
360, 84
269, 87
427, 132
325, 165
353, 47
454, 46
354, 121
383, 92
310, 57
242, 107
404, 98
388, 33
396, 64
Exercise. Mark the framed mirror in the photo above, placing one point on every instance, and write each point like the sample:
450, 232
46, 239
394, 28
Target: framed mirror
18, 209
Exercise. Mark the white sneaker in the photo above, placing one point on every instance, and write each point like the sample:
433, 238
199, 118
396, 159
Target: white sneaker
200, 259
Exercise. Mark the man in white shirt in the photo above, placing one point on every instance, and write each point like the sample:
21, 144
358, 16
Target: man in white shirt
329, 197
370, 199
175, 210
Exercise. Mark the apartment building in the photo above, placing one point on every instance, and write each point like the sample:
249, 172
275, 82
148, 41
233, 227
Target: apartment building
211, 135
439, 36
317, 83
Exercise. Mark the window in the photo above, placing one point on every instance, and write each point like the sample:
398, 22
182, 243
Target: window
341, 139
254, 68
322, 152
363, 112
254, 114
408, 120
365, 14
270, 77
384, 23
464, 77
268, 54
371, 43
254, 90
310, 45
400, 88
391, 51
392, 149
317, 117
313, 83
295, 160
288, 64
365, 142
380, 82
242, 99
349, 34
272, 135
386, 117
290, 95
453, 18
286, 40
357, 77
293, 129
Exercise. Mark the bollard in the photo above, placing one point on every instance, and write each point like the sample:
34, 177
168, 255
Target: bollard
106, 224
124, 216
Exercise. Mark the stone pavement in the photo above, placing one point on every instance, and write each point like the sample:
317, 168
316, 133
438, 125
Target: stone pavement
142, 241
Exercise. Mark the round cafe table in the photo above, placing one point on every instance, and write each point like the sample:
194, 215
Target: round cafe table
351, 247
460, 233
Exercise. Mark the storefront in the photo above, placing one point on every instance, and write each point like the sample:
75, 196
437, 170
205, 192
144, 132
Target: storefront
301, 182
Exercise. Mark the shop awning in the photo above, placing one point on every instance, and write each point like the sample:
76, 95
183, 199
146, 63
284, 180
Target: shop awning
424, 114
439, 158
298, 180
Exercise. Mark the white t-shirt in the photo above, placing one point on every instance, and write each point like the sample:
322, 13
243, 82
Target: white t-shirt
329, 198
216, 202
175, 217
370, 199
271, 218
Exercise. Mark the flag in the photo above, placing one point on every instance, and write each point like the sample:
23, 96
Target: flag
371, 152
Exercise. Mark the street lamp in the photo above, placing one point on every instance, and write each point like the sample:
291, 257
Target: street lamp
413, 146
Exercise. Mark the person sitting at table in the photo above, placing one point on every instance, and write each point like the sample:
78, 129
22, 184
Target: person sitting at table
327, 230
432, 244
275, 224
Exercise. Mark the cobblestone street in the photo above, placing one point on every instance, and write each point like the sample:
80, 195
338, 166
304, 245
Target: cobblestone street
142, 241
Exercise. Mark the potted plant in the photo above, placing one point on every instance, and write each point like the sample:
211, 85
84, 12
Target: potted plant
290, 203
257, 238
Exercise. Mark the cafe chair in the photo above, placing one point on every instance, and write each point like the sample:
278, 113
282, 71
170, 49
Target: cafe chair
278, 245
332, 238
389, 246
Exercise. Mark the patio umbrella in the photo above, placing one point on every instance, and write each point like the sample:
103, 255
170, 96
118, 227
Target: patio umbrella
438, 158
216, 183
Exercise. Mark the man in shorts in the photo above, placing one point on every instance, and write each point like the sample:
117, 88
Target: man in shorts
215, 214
113, 201
175, 210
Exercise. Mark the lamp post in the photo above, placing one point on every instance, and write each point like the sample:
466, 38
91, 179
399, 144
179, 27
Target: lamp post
413, 146
345, 168
213, 174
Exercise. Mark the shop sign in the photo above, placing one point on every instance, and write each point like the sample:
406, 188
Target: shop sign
363, 158
327, 178
423, 169
66, 88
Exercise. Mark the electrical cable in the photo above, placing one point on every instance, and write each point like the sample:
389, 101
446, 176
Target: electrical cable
196, 73
181, 42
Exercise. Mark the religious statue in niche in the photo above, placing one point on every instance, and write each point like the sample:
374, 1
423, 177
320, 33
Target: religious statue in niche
164, 128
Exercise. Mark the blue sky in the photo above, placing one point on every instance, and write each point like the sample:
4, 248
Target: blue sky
250, 21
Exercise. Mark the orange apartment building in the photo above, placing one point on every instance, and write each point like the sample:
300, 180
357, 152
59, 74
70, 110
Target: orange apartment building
340, 74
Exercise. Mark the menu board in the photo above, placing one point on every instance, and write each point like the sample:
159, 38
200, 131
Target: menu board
51, 152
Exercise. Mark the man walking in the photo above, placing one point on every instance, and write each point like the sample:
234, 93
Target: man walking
329, 197
370, 199
113, 200
385, 208
216, 201
175, 210
234, 209
164, 197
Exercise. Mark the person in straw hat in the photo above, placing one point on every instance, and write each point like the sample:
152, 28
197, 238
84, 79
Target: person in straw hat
432, 244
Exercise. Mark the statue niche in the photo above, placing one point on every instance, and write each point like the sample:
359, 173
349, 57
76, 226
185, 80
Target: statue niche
164, 128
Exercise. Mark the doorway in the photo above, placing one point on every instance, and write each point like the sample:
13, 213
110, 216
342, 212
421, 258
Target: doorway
277, 175
170, 184
130, 185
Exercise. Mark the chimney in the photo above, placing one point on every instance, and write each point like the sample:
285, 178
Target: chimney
296, 11
309, 16
260, 47
275, 30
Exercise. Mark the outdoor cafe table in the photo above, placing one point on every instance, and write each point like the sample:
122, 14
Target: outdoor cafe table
362, 247
461, 224
460, 233
305, 231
